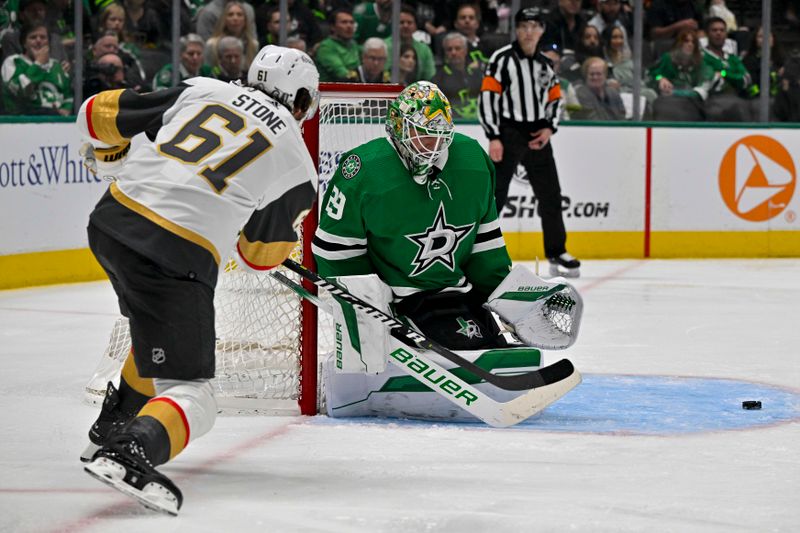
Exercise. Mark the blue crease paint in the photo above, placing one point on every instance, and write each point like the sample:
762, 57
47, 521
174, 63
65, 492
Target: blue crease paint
647, 405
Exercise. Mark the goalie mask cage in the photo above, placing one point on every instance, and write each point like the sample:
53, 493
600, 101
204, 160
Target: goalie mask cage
268, 339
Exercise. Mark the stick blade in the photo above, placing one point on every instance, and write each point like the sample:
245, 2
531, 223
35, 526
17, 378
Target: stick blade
559, 371
542, 377
534, 401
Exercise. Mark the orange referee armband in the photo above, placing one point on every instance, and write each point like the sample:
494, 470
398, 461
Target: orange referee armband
491, 84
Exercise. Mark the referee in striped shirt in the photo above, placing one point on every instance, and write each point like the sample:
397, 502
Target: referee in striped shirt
518, 109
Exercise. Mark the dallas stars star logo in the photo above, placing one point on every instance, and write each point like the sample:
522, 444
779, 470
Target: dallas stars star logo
468, 328
436, 107
438, 243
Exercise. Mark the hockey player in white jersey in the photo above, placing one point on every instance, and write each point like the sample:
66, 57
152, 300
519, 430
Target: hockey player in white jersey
223, 160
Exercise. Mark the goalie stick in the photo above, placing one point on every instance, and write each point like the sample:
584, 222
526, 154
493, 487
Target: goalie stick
456, 390
529, 380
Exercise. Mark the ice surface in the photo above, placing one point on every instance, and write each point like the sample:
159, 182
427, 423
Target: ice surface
654, 439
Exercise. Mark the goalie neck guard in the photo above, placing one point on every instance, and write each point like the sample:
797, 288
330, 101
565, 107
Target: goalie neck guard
420, 126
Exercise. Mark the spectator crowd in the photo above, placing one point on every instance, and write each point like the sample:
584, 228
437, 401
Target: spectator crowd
701, 59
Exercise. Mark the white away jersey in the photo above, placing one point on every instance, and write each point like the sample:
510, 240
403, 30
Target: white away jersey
223, 158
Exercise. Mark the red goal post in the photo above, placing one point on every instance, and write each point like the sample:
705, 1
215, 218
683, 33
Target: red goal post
309, 389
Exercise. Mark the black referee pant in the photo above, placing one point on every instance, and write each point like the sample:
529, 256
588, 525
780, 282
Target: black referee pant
543, 177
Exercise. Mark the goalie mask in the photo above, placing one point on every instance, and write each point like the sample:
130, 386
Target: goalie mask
289, 76
420, 126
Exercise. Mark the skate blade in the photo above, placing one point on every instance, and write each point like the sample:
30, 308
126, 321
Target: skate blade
88, 453
154, 496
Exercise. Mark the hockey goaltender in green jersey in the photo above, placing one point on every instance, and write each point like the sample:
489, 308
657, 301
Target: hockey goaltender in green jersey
443, 234
416, 211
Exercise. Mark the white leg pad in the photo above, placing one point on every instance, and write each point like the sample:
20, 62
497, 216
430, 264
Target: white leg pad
361, 340
393, 394
197, 400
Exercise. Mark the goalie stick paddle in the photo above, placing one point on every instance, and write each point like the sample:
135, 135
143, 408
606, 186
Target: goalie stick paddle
453, 388
530, 380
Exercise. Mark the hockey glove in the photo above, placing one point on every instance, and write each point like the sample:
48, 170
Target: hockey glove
543, 314
104, 162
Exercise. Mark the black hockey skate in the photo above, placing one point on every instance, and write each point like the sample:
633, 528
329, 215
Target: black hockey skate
123, 465
112, 418
565, 265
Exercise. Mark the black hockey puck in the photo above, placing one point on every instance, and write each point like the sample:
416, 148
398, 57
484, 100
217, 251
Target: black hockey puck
751, 405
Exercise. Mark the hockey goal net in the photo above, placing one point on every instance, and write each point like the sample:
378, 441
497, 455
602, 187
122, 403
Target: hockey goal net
269, 340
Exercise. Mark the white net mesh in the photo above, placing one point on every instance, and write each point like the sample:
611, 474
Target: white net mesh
258, 356
258, 337
258, 320
345, 122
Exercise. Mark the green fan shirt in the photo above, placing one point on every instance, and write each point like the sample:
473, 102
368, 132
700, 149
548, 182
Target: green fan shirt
29, 88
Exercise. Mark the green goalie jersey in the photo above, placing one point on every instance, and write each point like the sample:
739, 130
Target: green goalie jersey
376, 219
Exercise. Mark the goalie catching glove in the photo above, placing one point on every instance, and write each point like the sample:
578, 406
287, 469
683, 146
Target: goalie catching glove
543, 314
104, 162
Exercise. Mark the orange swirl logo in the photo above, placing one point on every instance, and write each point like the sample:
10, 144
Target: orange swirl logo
757, 178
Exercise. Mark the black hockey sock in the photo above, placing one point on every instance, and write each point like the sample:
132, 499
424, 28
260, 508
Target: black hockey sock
131, 400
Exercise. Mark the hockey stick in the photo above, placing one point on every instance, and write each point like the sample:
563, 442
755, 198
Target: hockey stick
455, 389
529, 380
